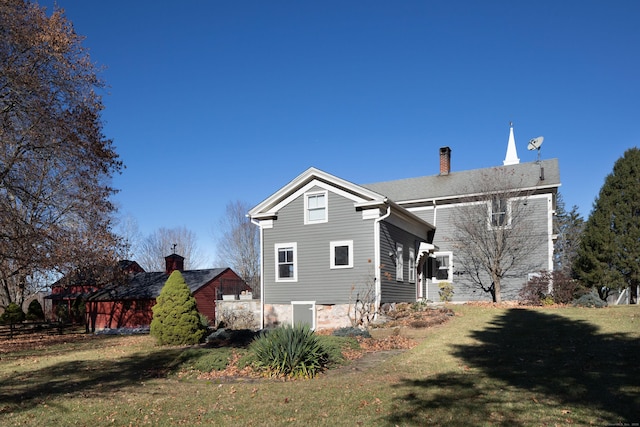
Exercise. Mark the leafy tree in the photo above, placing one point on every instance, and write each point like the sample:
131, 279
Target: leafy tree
34, 311
609, 253
238, 244
492, 233
165, 241
568, 227
176, 320
55, 162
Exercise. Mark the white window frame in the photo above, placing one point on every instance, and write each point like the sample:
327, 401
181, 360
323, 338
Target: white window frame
332, 253
294, 247
412, 265
507, 213
307, 209
399, 263
449, 267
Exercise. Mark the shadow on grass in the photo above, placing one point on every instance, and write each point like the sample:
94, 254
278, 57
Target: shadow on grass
563, 361
89, 378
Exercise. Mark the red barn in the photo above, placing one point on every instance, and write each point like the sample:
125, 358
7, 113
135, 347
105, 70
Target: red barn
68, 295
129, 305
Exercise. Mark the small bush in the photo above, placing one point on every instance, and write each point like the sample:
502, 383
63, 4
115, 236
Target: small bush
564, 289
351, 332
590, 300
290, 351
62, 313
445, 291
547, 300
419, 305
12, 314
535, 290
34, 311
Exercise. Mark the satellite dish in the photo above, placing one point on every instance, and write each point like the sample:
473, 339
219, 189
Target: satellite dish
535, 143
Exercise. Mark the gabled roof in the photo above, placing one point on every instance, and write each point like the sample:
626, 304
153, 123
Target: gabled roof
269, 207
149, 285
455, 185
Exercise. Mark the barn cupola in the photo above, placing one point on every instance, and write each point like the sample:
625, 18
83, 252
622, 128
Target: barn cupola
174, 262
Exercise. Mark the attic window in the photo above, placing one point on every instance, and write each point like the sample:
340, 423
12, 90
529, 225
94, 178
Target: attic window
315, 207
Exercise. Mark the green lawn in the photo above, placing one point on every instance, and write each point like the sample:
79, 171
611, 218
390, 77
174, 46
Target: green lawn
486, 366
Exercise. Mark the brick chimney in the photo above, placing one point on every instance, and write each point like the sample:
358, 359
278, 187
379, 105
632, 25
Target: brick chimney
174, 262
445, 160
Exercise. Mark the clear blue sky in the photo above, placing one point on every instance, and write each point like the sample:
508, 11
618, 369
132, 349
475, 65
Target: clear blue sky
215, 101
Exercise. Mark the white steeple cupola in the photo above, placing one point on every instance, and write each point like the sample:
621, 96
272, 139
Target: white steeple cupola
512, 154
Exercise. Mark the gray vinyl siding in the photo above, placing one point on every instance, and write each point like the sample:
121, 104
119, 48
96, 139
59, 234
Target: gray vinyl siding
464, 290
391, 289
316, 280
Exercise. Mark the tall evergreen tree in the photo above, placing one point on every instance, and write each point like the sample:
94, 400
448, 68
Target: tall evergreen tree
568, 227
176, 320
609, 254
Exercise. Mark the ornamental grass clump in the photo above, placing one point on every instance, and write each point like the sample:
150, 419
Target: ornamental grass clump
290, 351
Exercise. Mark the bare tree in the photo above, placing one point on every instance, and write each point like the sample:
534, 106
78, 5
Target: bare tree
55, 163
127, 228
165, 241
238, 244
494, 233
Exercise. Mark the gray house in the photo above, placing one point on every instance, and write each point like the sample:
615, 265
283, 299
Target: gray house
333, 251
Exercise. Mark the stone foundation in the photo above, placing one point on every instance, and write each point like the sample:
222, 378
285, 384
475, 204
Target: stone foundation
326, 316
329, 316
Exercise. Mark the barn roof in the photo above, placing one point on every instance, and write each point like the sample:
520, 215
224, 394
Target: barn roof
149, 285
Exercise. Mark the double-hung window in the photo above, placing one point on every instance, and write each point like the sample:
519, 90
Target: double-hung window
499, 212
443, 271
315, 207
286, 262
341, 254
399, 263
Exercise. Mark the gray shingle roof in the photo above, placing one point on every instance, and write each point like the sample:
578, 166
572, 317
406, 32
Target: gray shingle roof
149, 285
458, 184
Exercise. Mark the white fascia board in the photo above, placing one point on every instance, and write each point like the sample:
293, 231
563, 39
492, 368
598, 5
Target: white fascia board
442, 200
312, 184
320, 178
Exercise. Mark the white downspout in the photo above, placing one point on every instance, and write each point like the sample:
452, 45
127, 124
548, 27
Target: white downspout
261, 274
378, 260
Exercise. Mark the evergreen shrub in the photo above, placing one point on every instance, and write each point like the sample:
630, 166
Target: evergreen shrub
12, 314
590, 300
34, 311
176, 320
351, 332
